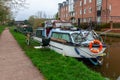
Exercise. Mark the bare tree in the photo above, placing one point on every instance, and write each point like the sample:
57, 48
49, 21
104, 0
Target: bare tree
15, 3
44, 15
6, 7
39, 14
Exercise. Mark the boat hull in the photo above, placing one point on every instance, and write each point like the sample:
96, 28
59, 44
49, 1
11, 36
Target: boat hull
71, 50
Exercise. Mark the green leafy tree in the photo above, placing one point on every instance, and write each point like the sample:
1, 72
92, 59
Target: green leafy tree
36, 22
31, 20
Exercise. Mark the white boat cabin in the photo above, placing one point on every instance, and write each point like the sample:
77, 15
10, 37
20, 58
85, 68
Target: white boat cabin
65, 32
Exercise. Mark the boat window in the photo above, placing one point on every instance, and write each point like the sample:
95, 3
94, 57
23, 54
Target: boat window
77, 37
66, 37
63, 36
89, 36
39, 33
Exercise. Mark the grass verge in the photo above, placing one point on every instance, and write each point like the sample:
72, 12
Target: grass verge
55, 66
1, 29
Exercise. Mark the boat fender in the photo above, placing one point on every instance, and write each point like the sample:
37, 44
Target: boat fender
95, 50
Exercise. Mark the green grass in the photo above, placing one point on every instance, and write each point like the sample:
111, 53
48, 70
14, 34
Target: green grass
55, 66
1, 29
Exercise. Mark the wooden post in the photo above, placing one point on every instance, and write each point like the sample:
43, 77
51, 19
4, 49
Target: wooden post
111, 24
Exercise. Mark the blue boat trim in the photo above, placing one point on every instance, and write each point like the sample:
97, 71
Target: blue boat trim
103, 45
76, 50
90, 59
93, 62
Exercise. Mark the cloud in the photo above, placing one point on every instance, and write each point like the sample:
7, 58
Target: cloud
48, 6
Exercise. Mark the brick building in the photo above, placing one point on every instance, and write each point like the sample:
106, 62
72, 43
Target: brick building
110, 11
90, 10
63, 11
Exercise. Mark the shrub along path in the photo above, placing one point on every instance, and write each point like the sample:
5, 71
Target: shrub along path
14, 64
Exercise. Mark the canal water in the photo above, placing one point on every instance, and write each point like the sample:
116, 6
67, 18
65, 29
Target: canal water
111, 64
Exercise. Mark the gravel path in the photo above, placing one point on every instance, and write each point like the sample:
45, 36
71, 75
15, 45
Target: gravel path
14, 64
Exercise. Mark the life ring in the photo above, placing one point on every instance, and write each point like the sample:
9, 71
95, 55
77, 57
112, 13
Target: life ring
95, 50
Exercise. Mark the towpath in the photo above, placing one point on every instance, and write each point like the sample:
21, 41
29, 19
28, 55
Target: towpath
14, 64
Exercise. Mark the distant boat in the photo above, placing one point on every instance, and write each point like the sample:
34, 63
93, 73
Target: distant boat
67, 40
24, 29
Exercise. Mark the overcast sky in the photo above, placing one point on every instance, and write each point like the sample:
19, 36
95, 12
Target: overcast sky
50, 7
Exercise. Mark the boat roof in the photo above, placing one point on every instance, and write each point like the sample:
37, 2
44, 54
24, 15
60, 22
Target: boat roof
57, 23
58, 30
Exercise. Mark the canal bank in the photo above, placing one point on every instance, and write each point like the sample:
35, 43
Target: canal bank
55, 66
108, 69
109, 34
1, 29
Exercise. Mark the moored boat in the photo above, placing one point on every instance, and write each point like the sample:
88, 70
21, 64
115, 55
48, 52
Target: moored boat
67, 40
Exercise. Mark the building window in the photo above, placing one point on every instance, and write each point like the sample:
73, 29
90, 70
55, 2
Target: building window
110, 7
85, 1
80, 3
71, 5
90, 1
84, 20
90, 10
98, 19
99, 2
61, 36
80, 11
84, 11
73, 14
66, 15
99, 7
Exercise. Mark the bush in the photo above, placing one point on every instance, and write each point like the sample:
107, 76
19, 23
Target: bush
116, 25
82, 25
2, 28
101, 26
98, 26
105, 25
87, 25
